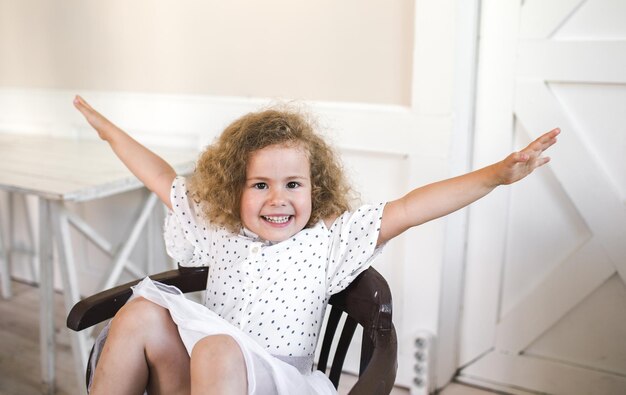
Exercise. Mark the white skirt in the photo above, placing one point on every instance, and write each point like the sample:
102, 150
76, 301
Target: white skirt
266, 373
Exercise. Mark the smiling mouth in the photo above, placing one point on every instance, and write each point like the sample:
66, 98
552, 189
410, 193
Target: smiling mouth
277, 219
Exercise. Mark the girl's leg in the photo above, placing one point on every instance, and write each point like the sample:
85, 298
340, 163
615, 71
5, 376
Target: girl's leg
143, 350
218, 367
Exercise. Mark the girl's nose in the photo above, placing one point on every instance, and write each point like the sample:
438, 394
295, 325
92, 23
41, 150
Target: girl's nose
277, 198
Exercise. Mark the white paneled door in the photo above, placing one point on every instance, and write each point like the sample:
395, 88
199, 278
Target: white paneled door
545, 293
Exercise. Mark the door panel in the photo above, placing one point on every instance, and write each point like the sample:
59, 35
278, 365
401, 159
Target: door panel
558, 274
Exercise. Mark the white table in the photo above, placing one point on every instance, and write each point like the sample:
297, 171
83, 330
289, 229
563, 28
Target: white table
61, 170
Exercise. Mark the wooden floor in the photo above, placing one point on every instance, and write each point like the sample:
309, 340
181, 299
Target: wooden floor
19, 345
19, 350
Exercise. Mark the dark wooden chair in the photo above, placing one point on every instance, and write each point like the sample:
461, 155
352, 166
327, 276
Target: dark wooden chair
367, 302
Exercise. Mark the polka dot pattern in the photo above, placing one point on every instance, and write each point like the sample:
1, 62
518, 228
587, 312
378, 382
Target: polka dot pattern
276, 293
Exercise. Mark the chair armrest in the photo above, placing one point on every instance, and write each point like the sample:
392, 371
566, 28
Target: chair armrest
102, 306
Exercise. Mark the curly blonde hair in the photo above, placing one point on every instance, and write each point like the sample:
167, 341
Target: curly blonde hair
220, 173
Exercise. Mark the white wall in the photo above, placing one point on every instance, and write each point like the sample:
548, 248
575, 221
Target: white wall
378, 74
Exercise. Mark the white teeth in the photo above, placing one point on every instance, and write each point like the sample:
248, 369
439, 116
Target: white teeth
277, 220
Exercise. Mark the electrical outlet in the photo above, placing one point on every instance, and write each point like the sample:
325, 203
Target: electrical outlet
423, 363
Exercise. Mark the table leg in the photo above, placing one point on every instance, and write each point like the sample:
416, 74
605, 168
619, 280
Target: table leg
7, 249
122, 256
5, 268
98, 241
8, 246
54, 221
46, 289
71, 291
34, 261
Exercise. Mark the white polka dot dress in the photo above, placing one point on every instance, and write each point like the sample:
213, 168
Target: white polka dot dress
270, 297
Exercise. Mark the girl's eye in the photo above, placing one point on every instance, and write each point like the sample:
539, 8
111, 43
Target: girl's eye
293, 184
260, 185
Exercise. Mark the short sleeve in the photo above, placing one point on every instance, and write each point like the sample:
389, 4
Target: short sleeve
353, 245
183, 226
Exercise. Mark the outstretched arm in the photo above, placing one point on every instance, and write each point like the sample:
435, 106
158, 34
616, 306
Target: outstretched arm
444, 197
156, 174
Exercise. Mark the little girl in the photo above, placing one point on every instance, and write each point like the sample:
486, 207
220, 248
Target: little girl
267, 209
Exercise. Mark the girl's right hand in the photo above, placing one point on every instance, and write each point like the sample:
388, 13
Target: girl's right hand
103, 126
156, 174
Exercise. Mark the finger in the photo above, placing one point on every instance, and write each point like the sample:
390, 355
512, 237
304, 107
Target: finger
549, 138
85, 108
80, 104
549, 144
542, 143
543, 160
554, 132
80, 101
551, 134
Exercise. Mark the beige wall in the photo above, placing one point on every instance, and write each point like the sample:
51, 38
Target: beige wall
348, 50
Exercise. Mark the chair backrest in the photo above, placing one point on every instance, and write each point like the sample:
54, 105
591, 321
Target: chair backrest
367, 302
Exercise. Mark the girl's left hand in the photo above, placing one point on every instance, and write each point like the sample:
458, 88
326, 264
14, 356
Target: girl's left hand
520, 164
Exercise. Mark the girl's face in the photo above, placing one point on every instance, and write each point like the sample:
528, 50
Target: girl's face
276, 199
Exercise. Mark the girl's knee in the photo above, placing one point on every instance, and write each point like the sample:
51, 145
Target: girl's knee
141, 313
217, 363
150, 326
218, 350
